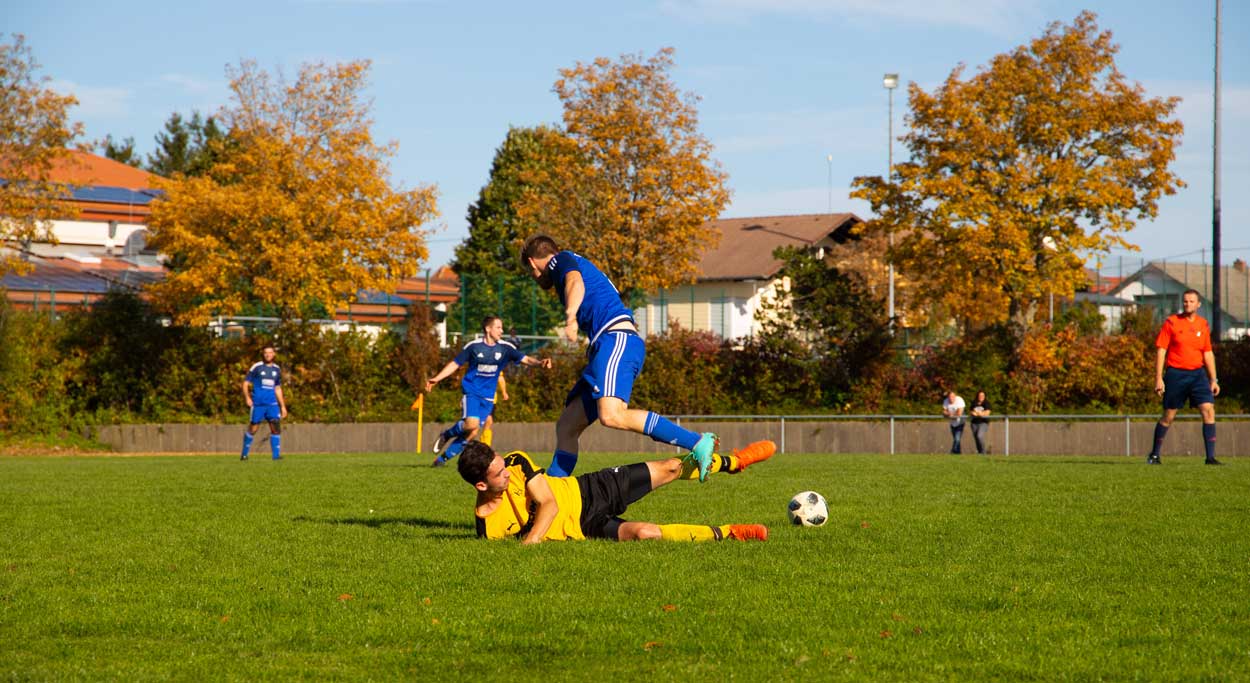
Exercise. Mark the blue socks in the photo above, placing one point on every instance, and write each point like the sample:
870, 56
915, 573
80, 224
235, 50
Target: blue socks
1208, 439
665, 431
247, 443
562, 464
1160, 432
454, 431
453, 449
275, 444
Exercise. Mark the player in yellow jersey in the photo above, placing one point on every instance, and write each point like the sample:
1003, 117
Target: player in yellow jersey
517, 498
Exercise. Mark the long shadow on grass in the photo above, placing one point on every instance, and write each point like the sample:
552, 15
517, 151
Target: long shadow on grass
378, 522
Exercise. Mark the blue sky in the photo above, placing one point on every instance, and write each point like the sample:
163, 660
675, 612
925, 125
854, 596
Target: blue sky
784, 83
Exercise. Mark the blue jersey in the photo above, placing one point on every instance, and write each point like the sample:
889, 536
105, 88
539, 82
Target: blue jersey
484, 362
265, 379
601, 306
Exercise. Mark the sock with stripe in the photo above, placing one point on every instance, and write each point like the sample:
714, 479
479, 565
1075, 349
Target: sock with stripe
562, 464
275, 445
720, 463
1160, 432
693, 532
1208, 439
453, 449
247, 442
666, 431
454, 431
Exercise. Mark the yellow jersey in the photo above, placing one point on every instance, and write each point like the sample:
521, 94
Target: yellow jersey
511, 517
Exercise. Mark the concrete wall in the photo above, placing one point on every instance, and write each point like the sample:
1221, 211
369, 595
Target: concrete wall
1104, 437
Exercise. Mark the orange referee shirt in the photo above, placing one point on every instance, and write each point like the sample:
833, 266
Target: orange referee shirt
1186, 339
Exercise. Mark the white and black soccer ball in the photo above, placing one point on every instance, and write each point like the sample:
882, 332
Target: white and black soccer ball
808, 509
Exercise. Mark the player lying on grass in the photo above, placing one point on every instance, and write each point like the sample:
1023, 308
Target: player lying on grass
517, 498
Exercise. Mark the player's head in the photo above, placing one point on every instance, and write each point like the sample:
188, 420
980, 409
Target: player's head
534, 256
268, 353
1190, 301
482, 468
492, 328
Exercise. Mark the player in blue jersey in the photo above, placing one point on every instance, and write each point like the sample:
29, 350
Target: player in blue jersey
485, 359
593, 305
262, 389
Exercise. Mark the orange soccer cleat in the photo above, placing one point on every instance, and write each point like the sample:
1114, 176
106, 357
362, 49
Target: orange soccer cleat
748, 532
753, 453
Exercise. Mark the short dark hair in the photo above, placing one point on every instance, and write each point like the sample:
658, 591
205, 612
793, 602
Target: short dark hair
490, 319
1191, 291
475, 459
538, 246
268, 346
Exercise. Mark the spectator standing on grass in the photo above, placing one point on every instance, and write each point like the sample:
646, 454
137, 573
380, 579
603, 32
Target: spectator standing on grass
262, 389
1185, 370
980, 411
953, 408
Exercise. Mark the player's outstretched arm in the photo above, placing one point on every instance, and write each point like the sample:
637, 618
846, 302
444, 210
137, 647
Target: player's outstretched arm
538, 490
442, 374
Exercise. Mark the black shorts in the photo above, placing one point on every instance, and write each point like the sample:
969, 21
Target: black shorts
607, 493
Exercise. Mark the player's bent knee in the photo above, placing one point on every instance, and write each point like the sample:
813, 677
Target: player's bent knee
275, 427
639, 531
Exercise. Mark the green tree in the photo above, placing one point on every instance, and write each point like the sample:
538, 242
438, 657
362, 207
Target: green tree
1019, 173
487, 263
120, 150
833, 314
189, 147
35, 136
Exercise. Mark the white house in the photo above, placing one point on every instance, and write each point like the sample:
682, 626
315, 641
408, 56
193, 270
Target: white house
1160, 284
740, 274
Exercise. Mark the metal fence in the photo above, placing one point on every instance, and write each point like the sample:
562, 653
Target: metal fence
893, 421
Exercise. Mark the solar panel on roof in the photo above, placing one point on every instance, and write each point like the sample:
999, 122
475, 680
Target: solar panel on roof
112, 195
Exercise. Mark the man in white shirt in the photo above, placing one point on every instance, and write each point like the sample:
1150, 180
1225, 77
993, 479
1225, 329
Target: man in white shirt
953, 408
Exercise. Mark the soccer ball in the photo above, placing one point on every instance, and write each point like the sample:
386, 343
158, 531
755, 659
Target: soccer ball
808, 509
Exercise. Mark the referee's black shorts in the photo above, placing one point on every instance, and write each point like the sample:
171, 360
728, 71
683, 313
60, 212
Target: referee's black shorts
1181, 385
607, 493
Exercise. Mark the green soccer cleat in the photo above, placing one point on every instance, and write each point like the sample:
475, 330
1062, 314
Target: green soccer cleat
702, 453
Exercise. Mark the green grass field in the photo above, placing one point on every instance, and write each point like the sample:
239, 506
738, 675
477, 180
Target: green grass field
365, 567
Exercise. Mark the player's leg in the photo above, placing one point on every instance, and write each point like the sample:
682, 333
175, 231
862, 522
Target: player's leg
456, 430
274, 418
646, 531
488, 434
471, 423
957, 436
1176, 388
615, 362
249, 434
1208, 431
579, 411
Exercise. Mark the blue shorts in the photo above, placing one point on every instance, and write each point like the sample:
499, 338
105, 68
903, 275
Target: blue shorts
477, 407
1179, 385
269, 413
615, 359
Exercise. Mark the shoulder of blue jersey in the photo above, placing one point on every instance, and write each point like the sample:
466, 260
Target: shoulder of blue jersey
254, 365
505, 342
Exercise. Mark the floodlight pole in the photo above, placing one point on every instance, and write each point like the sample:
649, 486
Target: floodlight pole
1216, 299
890, 81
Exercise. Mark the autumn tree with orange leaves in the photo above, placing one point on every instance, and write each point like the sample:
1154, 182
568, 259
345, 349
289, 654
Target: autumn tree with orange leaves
296, 211
35, 137
633, 183
1019, 173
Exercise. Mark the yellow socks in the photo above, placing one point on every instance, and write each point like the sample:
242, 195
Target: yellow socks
693, 532
720, 463
487, 435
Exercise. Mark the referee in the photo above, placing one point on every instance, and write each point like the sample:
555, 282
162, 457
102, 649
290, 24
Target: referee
1185, 370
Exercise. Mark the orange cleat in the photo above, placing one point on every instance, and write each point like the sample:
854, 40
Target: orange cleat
753, 453
748, 532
